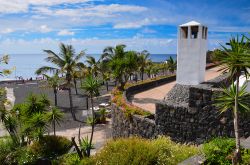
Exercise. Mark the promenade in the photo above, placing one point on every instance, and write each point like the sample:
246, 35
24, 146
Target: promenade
147, 99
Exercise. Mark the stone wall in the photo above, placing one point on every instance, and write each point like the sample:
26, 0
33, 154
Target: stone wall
186, 114
125, 126
135, 125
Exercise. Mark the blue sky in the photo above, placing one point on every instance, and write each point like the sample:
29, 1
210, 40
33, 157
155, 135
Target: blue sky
29, 26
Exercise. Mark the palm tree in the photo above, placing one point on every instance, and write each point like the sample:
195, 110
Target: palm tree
4, 60
172, 64
91, 86
65, 62
122, 63
54, 83
143, 60
54, 116
93, 65
236, 60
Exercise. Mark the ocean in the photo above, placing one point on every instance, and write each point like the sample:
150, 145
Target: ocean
25, 65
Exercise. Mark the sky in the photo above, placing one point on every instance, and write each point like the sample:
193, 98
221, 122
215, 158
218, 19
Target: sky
30, 26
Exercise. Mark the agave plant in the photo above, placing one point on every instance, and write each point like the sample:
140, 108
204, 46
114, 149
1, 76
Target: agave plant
235, 60
86, 145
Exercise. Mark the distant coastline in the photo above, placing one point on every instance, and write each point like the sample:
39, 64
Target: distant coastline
27, 64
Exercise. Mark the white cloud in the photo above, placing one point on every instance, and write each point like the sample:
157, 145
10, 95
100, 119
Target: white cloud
16, 6
7, 30
117, 8
132, 25
13, 6
54, 2
92, 11
65, 32
230, 29
44, 29
153, 45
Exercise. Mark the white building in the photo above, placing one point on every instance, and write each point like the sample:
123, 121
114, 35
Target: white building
191, 53
244, 80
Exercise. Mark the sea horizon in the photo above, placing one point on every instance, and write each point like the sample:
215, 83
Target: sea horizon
25, 65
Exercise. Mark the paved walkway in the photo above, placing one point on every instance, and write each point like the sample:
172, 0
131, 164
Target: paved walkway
147, 99
102, 133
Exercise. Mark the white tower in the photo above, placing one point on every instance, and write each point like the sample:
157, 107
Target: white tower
191, 53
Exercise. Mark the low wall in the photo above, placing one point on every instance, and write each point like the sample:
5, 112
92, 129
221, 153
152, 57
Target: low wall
186, 114
124, 126
136, 125
195, 119
148, 85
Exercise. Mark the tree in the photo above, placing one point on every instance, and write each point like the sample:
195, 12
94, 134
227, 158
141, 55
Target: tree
93, 65
4, 60
37, 123
172, 64
236, 60
54, 116
54, 83
65, 62
143, 60
105, 72
122, 63
91, 86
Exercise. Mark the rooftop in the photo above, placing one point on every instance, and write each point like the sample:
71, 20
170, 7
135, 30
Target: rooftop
191, 23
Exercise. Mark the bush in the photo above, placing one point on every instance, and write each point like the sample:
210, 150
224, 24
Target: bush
218, 150
143, 151
128, 109
21, 156
73, 159
51, 147
69, 159
6, 147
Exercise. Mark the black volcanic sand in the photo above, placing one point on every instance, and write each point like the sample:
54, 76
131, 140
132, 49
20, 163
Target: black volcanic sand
22, 90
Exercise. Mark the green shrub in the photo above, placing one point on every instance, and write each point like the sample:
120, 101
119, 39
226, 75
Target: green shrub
170, 152
69, 159
6, 147
245, 156
72, 159
218, 150
143, 151
51, 146
21, 156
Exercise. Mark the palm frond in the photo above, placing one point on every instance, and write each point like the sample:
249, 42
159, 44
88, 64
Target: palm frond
46, 69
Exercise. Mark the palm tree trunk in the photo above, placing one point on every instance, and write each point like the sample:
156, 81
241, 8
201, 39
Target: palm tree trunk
107, 85
237, 154
71, 104
142, 73
93, 126
54, 127
75, 86
87, 103
55, 94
